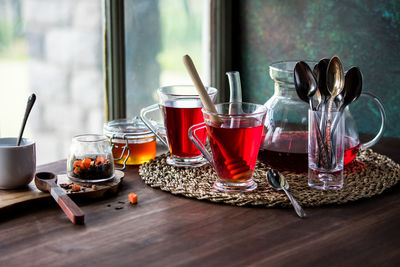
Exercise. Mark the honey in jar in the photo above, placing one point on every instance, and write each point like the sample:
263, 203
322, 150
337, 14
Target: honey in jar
131, 141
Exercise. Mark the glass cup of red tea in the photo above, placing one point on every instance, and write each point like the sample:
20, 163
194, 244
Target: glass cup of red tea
181, 108
235, 133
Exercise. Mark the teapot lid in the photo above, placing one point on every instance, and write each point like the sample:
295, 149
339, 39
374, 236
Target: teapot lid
282, 71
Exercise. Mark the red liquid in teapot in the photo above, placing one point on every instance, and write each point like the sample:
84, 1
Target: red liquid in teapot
350, 153
289, 152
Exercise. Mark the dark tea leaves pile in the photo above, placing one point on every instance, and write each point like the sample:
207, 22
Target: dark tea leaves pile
91, 168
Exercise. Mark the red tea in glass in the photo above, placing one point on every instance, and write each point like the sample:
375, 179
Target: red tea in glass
232, 146
181, 108
288, 152
234, 132
178, 118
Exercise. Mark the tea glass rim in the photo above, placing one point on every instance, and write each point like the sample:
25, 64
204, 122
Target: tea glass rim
98, 138
265, 109
210, 90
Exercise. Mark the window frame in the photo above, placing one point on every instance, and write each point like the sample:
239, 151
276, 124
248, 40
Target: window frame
221, 46
114, 59
220, 57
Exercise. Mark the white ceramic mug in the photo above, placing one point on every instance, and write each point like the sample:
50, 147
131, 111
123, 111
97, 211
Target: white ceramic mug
17, 163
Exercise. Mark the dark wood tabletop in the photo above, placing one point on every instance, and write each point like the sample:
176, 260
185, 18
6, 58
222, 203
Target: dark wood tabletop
168, 230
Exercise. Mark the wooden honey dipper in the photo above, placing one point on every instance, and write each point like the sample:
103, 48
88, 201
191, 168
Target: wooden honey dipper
237, 167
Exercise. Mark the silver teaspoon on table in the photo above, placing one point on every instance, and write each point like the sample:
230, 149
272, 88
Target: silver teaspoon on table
279, 182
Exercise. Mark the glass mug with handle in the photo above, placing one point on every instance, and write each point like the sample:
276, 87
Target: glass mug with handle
181, 108
235, 133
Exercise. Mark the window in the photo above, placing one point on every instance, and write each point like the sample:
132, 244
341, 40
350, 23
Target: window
157, 34
54, 49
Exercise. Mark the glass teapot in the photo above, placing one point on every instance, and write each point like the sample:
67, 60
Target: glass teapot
286, 126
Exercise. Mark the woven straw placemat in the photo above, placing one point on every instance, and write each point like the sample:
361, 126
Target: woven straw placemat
370, 174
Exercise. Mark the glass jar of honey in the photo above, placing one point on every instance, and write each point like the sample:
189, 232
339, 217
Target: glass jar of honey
131, 141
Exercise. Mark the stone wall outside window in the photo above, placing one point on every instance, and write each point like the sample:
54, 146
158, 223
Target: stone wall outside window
65, 46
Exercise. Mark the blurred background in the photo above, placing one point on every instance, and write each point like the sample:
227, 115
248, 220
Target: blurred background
364, 33
55, 49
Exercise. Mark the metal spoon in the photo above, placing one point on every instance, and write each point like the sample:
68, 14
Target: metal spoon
334, 79
338, 99
351, 92
305, 82
319, 99
352, 87
320, 74
29, 105
335, 84
279, 182
306, 86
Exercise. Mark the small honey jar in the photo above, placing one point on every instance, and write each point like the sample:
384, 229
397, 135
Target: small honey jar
131, 141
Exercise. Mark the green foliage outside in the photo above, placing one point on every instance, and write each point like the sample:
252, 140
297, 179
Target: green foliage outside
6, 34
12, 44
181, 33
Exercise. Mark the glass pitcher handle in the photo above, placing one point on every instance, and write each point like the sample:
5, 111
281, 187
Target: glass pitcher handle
196, 141
383, 121
146, 121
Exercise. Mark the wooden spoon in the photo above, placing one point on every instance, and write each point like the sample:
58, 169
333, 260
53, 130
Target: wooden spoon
237, 166
47, 182
204, 97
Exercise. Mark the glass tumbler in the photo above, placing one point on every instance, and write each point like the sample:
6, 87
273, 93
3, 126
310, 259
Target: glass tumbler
325, 150
90, 159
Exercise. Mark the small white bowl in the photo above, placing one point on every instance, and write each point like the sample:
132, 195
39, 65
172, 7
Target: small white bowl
17, 163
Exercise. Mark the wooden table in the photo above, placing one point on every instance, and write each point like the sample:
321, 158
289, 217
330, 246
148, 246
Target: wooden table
164, 230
